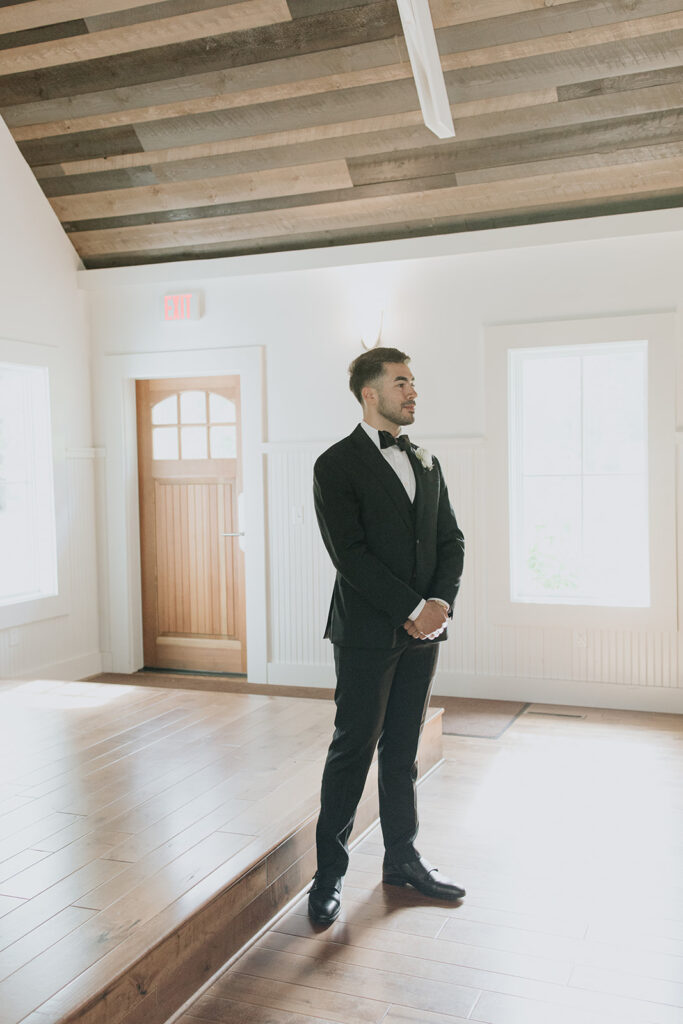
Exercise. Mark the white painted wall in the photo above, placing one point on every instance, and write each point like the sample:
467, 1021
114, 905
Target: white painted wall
308, 311
44, 310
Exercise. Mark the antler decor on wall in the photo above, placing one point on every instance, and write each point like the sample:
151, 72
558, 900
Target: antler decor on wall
379, 336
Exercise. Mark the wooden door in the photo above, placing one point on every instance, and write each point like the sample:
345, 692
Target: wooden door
190, 476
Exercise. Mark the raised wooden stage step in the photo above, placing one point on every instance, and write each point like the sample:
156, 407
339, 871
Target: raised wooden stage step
148, 835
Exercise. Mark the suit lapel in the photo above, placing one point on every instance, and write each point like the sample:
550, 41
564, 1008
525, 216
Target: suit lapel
420, 486
423, 489
376, 464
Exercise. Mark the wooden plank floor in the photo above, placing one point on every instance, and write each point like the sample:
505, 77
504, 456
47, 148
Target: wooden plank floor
566, 832
125, 813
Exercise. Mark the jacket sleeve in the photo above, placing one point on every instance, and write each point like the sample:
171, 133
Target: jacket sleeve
338, 510
450, 548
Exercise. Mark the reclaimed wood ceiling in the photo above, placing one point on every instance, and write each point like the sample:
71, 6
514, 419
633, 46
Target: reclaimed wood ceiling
194, 128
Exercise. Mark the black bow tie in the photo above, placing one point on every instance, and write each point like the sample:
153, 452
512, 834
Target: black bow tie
386, 440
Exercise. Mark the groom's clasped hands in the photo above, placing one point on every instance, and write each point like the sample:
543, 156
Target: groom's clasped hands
430, 623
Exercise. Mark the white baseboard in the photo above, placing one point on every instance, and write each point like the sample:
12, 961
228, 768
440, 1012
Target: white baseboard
72, 669
575, 693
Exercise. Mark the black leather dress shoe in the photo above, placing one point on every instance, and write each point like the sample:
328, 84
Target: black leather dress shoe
423, 877
324, 899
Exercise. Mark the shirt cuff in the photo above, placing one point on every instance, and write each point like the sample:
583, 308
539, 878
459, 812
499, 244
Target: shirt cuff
416, 611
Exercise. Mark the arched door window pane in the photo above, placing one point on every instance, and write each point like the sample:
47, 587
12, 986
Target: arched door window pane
166, 411
165, 443
224, 442
221, 410
193, 407
193, 442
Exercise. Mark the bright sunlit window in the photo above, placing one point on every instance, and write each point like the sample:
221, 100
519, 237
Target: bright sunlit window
28, 553
578, 469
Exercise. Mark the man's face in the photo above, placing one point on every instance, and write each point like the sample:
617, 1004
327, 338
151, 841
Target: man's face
396, 395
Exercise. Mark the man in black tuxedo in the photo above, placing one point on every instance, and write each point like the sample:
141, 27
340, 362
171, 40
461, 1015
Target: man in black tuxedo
387, 523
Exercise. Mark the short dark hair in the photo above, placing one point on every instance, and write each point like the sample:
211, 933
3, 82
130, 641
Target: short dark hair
369, 367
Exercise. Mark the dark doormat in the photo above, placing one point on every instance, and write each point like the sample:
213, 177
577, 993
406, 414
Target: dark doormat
469, 716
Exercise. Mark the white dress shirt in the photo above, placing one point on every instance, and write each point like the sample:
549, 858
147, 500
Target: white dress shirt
400, 463
397, 459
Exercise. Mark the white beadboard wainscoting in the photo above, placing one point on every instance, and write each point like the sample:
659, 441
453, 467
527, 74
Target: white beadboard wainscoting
639, 670
71, 638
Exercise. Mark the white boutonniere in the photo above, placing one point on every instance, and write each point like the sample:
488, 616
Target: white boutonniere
425, 458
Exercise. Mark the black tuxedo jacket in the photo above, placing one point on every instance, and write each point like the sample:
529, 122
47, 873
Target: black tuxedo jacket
388, 555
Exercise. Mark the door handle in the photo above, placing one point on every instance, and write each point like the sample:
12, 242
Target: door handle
240, 521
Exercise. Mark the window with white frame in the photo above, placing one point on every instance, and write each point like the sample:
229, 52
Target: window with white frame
580, 485
578, 474
28, 551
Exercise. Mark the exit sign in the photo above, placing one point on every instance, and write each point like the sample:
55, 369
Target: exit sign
182, 306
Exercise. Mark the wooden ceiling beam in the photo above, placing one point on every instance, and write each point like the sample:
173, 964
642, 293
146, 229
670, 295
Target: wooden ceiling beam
277, 71
280, 149
154, 11
50, 62
489, 117
22, 16
489, 220
554, 165
321, 177
432, 183
253, 143
455, 12
209, 104
474, 153
434, 168
310, 64
516, 147
63, 30
333, 83
236, 17
517, 194
259, 44
36, 13
169, 128
403, 130
564, 42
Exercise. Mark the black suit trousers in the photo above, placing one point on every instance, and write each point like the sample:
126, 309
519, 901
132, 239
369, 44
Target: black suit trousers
382, 698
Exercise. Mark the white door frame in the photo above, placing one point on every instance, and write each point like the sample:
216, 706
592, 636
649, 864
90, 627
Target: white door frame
120, 516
